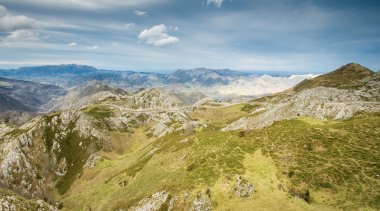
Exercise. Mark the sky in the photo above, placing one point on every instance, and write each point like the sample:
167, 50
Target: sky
158, 35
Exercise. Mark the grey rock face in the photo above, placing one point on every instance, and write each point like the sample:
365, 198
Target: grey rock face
158, 201
202, 202
318, 102
243, 187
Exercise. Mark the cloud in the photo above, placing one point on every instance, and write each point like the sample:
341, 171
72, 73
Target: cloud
258, 85
21, 35
217, 3
86, 4
140, 13
3, 10
72, 44
94, 47
21, 38
157, 36
9, 22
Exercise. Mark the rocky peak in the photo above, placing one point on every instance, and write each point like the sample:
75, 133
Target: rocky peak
95, 87
343, 76
352, 71
84, 95
153, 98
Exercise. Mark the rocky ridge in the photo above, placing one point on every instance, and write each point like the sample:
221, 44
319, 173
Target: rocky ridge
68, 140
320, 102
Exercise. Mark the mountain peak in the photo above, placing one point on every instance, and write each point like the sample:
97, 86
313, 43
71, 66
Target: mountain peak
343, 76
96, 86
353, 70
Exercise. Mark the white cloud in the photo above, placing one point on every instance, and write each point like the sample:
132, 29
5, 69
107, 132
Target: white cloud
72, 44
217, 3
9, 22
87, 4
21, 35
157, 36
94, 47
258, 85
140, 13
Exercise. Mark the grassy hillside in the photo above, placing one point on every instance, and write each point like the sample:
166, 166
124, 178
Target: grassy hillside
301, 164
345, 75
219, 117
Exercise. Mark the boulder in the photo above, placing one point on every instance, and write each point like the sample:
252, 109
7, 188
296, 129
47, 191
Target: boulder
243, 187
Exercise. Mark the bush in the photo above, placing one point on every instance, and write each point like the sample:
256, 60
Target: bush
241, 133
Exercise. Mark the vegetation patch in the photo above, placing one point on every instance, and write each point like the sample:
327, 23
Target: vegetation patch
250, 107
347, 163
219, 117
74, 148
16, 132
98, 111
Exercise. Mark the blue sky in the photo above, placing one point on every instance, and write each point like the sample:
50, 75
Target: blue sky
152, 35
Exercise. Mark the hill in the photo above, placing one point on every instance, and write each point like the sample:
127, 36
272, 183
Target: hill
344, 76
338, 95
18, 96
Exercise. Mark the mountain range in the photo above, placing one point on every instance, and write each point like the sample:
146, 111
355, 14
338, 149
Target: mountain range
73, 75
313, 146
58, 80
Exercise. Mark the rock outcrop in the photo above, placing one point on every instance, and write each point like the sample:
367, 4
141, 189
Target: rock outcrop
158, 201
243, 187
202, 202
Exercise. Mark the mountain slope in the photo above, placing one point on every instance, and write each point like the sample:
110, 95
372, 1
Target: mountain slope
310, 150
18, 96
356, 94
84, 95
65, 141
344, 76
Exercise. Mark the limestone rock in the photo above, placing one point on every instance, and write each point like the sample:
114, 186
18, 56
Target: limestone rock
202, 202
158, 201
243, 187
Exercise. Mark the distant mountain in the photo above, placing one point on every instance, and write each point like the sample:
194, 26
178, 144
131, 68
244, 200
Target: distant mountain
74, 75
345, 75
50, 74
25, 96
204, 76
83, 95
69, 69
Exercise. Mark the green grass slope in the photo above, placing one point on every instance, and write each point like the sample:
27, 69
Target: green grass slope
300, 164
